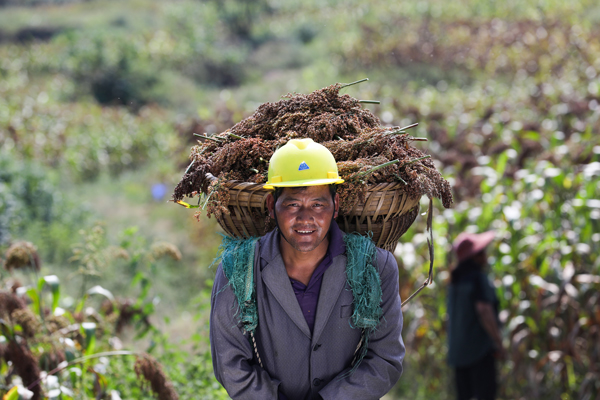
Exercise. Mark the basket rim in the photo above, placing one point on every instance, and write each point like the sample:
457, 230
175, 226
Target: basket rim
383, 186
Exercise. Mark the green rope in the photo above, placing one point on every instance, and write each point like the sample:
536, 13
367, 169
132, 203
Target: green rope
365, 283
237, 258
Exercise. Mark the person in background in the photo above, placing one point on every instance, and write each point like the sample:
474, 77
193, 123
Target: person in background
474, 338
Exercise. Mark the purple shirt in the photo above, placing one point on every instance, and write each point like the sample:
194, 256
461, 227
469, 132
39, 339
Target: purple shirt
308, 295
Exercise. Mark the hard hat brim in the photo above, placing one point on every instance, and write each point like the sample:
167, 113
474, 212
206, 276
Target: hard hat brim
309, 182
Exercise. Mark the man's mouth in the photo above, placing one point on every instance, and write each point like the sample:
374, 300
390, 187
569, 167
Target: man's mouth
304, 231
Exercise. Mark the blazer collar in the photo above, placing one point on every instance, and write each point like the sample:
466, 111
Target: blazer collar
334, 280
269, 247
276, 279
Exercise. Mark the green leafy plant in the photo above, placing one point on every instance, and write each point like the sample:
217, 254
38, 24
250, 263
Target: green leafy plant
78, 347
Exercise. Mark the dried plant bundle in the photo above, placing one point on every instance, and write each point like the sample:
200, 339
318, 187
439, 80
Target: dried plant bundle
25, 365
22, 255
28, 321
123, 312
366, 152
9, 302
149, 369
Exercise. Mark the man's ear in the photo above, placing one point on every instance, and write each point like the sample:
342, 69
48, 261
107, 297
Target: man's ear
336, 205
271, 205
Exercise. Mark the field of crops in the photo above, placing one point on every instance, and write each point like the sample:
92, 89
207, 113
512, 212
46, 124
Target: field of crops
99, 101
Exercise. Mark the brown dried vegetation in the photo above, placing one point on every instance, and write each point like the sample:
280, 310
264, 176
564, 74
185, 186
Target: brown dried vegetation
165, 249
55, 323
50, 360
24, 364
354, 136
22, 255
27, 320
149, 369
126, 312
9, 302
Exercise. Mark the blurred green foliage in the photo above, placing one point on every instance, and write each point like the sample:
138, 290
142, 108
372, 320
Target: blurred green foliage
113, 69
546, 268
101, 99
79, 139
77, 341
32, 206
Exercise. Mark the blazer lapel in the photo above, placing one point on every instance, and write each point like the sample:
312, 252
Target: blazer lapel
276, 278
334, 281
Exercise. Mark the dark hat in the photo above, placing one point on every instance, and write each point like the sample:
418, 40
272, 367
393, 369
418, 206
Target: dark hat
467, 245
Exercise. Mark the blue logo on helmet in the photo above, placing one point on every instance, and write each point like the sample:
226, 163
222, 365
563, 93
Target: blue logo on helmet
303, 166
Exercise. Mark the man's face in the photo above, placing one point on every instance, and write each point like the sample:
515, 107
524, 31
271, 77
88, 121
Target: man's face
304, 215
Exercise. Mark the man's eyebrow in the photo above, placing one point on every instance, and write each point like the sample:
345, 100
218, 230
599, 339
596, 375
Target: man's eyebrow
292, 198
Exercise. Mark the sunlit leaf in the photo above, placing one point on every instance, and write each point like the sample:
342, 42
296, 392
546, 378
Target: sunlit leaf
186, 205
12, 394
570, 372
115, 395
501, 163
7, 329
531, 135
541, 283
571, 290
54, 283
35, 299
89, 331
555, 355
102, 291
587, 278
81, 304
74, 375
24, 393
66, 391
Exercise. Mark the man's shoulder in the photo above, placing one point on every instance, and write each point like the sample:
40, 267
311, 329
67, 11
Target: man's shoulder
220, 280
386, 260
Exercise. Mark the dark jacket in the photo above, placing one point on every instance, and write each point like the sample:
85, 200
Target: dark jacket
300, 364
468, 342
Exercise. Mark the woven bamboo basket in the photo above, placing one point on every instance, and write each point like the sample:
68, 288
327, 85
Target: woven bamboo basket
386, 214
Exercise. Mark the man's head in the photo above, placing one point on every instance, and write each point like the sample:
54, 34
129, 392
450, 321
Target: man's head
303, 175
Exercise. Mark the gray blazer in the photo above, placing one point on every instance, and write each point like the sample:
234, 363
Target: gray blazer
298, 363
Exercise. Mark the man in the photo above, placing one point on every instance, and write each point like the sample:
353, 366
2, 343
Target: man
307, 342
474, 338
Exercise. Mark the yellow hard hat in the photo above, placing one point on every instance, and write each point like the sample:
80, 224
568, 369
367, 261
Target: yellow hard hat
302, 162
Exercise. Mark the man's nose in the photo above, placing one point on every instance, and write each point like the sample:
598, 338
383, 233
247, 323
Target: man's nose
305, 214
